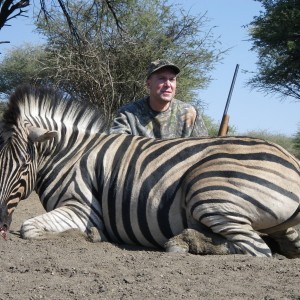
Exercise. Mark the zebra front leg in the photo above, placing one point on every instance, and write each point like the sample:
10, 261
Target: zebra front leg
60, 220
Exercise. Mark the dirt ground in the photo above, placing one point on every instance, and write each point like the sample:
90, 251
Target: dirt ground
70, 267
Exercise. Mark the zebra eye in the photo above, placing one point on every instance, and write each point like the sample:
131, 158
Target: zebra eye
23, 167
24, 163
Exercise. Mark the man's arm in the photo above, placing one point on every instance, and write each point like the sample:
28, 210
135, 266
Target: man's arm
120, 124
199, 126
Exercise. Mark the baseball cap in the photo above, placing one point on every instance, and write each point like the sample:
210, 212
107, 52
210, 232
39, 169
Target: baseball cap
159, 64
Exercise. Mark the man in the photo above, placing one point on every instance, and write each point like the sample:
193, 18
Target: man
160, 115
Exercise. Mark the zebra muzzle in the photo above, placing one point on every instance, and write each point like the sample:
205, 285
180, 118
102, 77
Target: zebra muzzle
3, 231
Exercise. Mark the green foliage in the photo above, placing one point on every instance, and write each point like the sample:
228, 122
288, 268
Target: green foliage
107, 65
2, 108
296, 142
21, 66
213, 127
284, 141
275, 34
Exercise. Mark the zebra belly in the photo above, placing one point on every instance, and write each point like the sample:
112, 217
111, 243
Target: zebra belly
149, 223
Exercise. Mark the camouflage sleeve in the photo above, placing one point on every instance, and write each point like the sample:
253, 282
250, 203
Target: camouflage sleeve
199, 127
120, 124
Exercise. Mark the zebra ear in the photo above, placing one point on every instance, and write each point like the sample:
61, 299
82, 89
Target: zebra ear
37, 134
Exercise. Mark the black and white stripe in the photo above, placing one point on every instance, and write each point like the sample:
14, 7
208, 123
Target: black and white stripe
142, 191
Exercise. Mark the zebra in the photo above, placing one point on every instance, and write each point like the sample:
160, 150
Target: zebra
207, 195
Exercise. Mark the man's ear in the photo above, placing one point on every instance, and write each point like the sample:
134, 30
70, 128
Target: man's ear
37, 134
148, 83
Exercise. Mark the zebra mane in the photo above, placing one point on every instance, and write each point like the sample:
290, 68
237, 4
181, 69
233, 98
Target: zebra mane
40, 105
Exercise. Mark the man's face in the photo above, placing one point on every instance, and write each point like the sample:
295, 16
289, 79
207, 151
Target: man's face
162, 85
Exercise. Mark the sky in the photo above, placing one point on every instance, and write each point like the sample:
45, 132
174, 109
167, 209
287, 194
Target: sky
249, 110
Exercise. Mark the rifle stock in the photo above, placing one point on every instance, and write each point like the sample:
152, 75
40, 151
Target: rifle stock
223, 130
224, 126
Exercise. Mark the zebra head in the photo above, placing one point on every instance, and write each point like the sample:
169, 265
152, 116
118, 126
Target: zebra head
18, 163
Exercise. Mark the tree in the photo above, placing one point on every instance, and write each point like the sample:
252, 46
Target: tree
107, 67
22, 65
275, 34
10, 9
3, 106
284, 141
213, 127
296, 142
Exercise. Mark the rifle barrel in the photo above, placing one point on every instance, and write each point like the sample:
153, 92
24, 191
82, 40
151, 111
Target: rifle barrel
225, 119
231, 89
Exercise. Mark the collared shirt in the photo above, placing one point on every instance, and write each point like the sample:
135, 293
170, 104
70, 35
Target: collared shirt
180, 120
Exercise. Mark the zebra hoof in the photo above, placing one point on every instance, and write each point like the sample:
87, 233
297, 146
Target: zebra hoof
175, 246
95, 236
176, 249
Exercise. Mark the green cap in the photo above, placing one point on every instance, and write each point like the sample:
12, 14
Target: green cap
159, 64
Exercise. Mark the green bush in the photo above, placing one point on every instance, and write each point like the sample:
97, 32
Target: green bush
213, 127
287, 142
296, 142
2, 108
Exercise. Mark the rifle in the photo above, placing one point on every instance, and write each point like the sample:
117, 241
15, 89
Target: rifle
225, 119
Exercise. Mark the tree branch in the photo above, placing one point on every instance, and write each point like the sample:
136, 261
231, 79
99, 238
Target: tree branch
8, 8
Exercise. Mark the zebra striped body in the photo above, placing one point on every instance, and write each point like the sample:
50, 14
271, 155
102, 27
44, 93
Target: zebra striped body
140, 191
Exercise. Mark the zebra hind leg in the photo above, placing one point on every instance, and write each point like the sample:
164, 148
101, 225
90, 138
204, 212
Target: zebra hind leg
288, 242
233, 238
241, 237
196, 242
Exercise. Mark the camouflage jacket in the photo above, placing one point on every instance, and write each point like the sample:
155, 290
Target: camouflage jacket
180, 120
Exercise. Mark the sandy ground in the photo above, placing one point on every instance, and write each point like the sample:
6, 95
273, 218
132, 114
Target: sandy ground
70, 267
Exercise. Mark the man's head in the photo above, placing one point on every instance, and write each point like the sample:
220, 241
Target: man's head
161, 64
161, 82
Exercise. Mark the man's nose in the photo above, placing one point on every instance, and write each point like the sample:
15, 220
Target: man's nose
167, 82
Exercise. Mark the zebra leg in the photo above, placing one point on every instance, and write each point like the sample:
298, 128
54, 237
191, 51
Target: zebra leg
236, 229
196, 242
60, 220
232, 239
288, 242
243, 239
